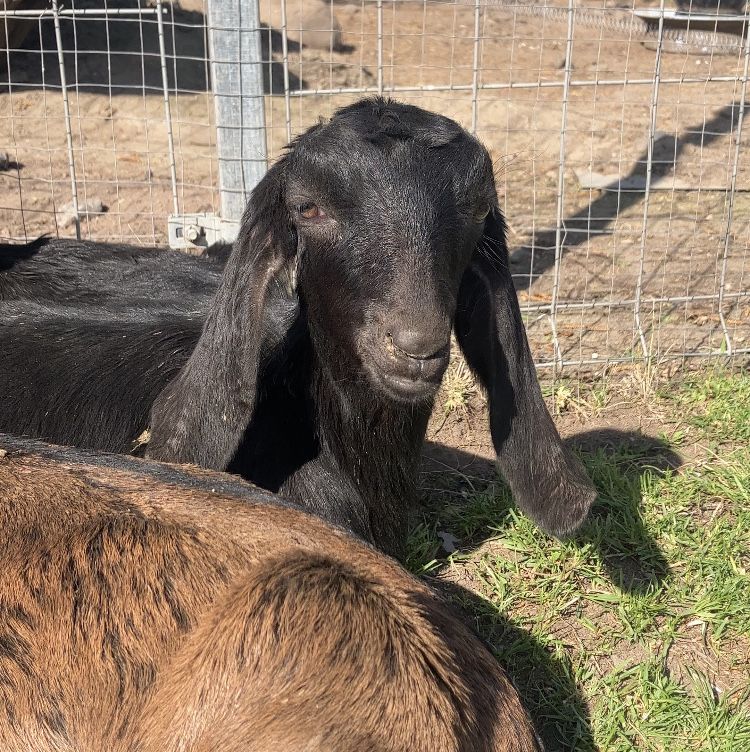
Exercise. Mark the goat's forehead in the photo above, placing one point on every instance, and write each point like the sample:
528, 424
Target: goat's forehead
348, 159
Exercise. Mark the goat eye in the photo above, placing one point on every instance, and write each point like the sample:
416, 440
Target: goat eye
481, 213
311, 211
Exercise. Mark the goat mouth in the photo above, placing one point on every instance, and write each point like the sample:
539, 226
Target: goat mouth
405, 379
404, 388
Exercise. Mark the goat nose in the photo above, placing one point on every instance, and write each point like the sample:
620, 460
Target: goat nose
419, 343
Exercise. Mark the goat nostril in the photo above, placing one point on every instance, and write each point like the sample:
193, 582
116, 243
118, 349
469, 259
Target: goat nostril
413, 343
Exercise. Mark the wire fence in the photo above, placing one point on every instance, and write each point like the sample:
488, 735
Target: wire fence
616, 130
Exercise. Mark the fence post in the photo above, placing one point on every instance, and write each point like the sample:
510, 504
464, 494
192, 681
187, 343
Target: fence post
237, 82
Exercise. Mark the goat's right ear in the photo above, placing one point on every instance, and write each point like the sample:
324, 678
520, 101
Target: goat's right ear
201, 415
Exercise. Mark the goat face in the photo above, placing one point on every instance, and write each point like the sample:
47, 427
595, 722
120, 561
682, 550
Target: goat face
387, 203
382, 226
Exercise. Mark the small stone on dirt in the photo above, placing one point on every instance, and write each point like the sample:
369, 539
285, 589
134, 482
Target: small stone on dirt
449, 542
89, 208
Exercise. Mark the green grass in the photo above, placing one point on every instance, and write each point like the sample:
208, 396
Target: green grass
636, 634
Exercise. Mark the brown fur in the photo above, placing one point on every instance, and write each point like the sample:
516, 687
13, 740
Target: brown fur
146, 607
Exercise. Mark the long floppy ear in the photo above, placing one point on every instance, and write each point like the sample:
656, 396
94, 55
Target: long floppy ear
547, 481
202, 413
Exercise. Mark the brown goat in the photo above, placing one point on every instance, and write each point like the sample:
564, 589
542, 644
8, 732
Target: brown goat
146, 607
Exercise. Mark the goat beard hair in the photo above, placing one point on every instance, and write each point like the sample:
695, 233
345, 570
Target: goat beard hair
373, 441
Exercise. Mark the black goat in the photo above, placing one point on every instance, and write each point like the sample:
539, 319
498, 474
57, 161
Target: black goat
74, 272
317, 364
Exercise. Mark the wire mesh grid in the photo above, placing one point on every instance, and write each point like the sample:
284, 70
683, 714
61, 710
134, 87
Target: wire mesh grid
620, 149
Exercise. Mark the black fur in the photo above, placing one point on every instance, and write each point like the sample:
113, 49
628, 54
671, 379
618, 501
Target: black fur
79, 272
318, 360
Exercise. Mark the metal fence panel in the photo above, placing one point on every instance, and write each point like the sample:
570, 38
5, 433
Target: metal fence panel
617, 135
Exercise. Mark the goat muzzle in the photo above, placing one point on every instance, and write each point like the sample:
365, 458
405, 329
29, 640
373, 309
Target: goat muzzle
410, 366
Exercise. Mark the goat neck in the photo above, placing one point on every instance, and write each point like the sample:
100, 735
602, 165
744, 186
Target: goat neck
375, 442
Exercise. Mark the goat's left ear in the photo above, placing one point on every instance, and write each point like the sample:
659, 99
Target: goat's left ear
201, 415
547, 480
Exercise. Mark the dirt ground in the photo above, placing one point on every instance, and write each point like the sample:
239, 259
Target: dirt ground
121, 156
587, 415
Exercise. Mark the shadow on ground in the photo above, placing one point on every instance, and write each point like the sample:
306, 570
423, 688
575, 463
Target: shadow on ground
120, 54
530, 261
544, 681
616, 461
